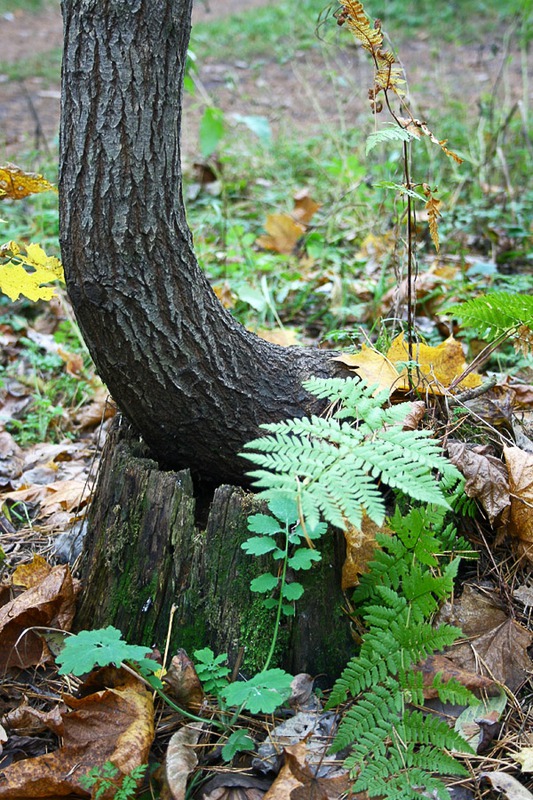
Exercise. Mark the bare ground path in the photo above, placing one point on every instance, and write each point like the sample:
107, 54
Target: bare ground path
317, 89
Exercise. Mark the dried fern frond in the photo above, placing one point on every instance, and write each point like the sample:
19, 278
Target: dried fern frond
418, 128
433, 212
355, 18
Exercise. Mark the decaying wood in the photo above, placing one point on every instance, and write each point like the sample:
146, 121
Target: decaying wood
146, 552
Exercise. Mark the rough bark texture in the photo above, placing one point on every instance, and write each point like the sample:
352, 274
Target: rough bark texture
193, 381
144, 554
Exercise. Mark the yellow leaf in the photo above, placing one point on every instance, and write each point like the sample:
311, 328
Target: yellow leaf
283, 233
16, 184
436, 367
373, 368
525, 758
15, 279
286, 337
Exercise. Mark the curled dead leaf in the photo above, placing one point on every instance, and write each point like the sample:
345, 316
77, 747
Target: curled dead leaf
486, 477
520, 526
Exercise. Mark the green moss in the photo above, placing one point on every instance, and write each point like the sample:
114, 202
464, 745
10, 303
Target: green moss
257, 630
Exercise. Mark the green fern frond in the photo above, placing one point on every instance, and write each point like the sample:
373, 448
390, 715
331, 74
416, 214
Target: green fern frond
372, 713
451, 691
332, 466
496, 313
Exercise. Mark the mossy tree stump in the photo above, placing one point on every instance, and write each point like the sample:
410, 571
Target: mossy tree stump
146, 556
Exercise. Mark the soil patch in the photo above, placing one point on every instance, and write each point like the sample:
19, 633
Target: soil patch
317, 90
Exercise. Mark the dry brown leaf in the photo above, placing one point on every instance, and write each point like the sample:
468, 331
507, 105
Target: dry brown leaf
28, 721
67, 495
520, 525
373, 368
283, 233
433, 665
360, 547
32, 574
99, 409
114, 724
49, 604
496, 645
181, 759
437, 366
235, 786
297, 780
16, 184
305, 207
415, 416
486, 477
182, 681
224, 294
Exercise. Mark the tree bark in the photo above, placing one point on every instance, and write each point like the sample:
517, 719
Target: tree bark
192, 380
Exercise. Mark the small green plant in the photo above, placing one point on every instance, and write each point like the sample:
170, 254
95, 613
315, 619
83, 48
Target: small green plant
395, 746
109, 780
329, 468
212, 670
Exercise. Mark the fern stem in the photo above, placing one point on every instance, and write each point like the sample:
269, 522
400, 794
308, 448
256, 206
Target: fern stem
280, 602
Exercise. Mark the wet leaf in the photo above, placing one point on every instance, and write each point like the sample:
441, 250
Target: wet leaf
183, 682
486, 476
50, 604
497, 645
114, 724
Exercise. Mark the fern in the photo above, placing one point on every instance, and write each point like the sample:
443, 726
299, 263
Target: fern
495, 314
330, 467
394, 747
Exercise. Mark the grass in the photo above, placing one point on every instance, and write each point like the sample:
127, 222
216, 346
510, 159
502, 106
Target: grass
11, 6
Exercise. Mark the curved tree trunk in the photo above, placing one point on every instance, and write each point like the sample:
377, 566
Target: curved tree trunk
193, 381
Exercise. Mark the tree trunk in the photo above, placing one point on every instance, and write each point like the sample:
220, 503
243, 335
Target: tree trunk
149, 560
191, 379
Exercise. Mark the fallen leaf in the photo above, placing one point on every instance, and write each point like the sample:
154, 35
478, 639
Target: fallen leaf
180, 759
283, 234
286, 337
496, 645
114, 724
478, 724
373, 368
298, 781
32, 574
520, 525
235, 786
305, 207
525, 758
507, 785
68, 495
27, 721
486, 477
433, 665
436, 367
97, 411
183, 682
360, 547
525, 595
415, 416
49, 604
16, 184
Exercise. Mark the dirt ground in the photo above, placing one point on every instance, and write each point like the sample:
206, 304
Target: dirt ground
317, 90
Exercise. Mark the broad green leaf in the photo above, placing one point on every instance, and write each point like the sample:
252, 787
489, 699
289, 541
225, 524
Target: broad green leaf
212, 128
292, 591
265, 692
264, 583
89, 649
263, 523
258, 125
238, 742
303, 558
259, 545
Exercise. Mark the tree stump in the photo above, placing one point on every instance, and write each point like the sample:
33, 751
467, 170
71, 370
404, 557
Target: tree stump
147, 559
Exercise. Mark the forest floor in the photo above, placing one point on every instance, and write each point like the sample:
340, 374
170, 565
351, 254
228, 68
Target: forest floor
320, 87
331, 275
